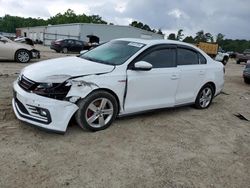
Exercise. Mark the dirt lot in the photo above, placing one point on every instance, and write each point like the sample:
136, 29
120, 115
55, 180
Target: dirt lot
181, 147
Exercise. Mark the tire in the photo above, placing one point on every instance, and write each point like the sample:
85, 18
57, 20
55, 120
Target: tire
91, 114
65, 50
22, 56
247, 81
204, 97
225, 60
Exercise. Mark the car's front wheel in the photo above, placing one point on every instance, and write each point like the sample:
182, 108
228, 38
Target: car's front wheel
22, 56
97, 111
204, 97
225, 60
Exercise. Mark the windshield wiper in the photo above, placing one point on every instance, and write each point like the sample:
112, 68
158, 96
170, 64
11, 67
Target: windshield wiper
97, 60
88, 58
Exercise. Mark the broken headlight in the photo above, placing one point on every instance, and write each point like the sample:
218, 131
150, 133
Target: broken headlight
52, 90
45, 86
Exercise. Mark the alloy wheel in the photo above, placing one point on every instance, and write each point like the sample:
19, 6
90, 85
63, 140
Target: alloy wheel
206, 97
99, 112
23, 56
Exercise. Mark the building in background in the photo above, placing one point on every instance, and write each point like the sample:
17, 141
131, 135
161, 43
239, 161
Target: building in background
80, 31
9, 35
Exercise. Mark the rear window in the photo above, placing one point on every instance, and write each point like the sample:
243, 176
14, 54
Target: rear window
202, 59
187, 57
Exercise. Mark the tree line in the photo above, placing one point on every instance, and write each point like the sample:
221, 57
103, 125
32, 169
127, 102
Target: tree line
201, 36
10, 23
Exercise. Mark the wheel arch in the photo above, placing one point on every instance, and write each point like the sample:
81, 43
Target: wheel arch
112, 93
212, 84
21, 49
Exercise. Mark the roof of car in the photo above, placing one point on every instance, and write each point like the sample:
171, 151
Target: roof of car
155, 41
151, 42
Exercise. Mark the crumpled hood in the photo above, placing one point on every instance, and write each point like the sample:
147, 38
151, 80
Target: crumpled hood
61, 69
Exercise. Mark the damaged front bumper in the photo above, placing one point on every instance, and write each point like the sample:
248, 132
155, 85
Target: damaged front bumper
43, 112
35, 54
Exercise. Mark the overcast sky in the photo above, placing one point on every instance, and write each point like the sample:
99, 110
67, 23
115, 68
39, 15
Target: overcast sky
230, 17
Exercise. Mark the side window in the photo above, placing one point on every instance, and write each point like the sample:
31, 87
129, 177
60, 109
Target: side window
161, 58
202, 59
70, 42
78, 43
187, 57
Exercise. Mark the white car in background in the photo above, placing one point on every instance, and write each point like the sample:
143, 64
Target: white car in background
118, 78
22, 53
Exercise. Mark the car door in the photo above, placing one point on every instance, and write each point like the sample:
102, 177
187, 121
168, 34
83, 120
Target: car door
78, 46
71, 45
155, 88
192, 66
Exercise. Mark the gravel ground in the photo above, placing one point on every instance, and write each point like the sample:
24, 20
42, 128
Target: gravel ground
180, 147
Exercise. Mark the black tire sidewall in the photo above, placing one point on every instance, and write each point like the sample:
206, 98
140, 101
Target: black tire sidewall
247, 80
66, 51
83, 105
16, 56
197, 101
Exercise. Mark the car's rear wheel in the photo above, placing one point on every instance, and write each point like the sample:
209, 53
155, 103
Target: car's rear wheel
65, 50
97, 111
204, 97
23, 56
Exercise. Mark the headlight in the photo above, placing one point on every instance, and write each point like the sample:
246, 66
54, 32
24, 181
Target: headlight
52, 90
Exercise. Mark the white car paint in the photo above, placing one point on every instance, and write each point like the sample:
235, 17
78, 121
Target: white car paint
136, 90
221, 56
8, 49
65, 67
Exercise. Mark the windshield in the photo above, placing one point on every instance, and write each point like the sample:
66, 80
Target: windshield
113, 53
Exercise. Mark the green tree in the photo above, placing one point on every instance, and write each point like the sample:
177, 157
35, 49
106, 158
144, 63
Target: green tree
200, 37
189, 39
144, 27
209, 37
179, 34
172, 36
159, 32
219, 38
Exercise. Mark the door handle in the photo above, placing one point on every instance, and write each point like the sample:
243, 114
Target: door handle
174, 77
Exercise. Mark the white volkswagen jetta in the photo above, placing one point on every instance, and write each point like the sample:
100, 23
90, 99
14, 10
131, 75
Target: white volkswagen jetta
121, 77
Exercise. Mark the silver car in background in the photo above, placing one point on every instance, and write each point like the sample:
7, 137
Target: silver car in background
22, 53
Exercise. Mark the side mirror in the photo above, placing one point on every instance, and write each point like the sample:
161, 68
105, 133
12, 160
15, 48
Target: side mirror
142, 66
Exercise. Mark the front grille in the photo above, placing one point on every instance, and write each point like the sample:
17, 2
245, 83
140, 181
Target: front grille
26, 83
